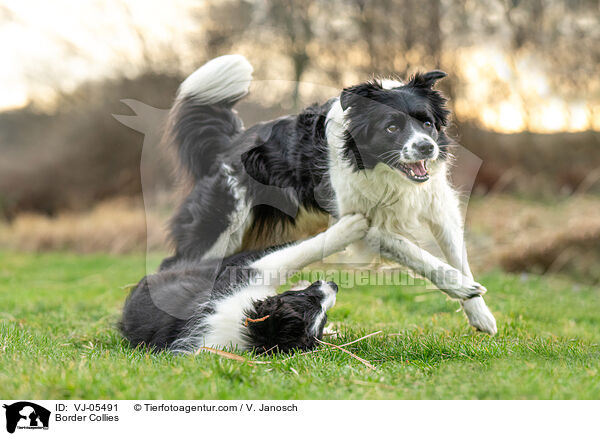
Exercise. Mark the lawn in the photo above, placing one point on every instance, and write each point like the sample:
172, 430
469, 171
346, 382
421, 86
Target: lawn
58, 340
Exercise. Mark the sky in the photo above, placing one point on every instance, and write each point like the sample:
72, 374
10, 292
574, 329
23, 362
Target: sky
45, 45
67, 42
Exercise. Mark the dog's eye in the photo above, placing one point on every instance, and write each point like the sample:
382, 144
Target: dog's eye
427, 124
392, 128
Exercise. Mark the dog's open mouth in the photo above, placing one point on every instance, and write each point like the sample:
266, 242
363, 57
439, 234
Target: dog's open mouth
416, 171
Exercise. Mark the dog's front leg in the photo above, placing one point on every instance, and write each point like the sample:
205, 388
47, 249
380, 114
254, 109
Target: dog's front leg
448, 230
447, 278
450, 237
349, 229
450, 280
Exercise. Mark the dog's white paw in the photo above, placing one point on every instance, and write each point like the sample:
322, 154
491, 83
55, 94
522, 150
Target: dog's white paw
350, 228
462, 289
479, 315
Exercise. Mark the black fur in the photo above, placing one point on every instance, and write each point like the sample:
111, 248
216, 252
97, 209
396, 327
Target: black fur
201, 218
281, 154
213, 126
290, 317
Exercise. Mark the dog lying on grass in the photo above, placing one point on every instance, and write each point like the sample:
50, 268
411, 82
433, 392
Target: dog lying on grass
184, 307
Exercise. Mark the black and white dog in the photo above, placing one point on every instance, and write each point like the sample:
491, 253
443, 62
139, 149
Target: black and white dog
378, 149
183, 307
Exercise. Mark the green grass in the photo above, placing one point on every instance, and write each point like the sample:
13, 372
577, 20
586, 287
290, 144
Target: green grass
58, 340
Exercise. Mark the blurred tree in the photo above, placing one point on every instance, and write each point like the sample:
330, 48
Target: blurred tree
293, 21
549, 47
223, 24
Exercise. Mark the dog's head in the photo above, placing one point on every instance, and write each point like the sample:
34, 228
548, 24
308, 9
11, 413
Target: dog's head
400, 125
291, 320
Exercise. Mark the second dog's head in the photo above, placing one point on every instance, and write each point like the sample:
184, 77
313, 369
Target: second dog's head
291, 320
399, 125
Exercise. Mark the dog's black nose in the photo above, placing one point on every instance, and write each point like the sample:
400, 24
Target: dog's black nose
333, 285
425, 148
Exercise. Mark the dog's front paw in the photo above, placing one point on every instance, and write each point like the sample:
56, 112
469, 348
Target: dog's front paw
479, 315
351, 228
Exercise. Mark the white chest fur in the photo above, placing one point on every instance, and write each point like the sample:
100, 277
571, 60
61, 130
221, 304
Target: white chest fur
386, 197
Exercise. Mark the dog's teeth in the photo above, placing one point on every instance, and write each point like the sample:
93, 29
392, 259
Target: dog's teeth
412, 173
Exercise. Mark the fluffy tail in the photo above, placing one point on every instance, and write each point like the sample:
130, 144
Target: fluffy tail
202, 121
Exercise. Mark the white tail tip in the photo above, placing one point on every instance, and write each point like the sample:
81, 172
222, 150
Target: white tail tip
221, 80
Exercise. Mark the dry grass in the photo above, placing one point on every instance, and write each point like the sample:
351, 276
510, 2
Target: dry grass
520, 235
574, 249
114, 226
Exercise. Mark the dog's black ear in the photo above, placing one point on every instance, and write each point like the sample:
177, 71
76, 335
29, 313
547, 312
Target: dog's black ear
354, 93
426, 80
275, 325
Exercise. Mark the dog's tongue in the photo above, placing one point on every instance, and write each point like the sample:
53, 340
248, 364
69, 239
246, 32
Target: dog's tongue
418, 168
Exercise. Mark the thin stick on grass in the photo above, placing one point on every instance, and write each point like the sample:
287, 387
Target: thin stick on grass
239, 358
360, 339
267, 351
360, 359
343, 345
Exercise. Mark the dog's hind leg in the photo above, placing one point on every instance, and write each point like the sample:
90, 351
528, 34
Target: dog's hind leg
211, 221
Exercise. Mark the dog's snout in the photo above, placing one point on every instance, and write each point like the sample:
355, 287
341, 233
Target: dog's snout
333, 286
425, 148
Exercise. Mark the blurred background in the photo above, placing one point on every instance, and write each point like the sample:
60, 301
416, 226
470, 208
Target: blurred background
524, 86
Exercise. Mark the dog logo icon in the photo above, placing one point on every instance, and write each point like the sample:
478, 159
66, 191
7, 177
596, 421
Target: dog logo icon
26, 415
